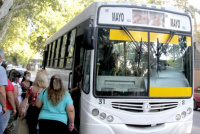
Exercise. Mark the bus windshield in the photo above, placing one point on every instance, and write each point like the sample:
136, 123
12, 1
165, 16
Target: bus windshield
122, 63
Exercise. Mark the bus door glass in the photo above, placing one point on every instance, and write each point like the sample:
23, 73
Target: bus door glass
71, 50
53, 54
63, 51
49, 55
170, 65
86, 74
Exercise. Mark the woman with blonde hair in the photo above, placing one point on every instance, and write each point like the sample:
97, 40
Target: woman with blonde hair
39, 84
57, 105
43, 71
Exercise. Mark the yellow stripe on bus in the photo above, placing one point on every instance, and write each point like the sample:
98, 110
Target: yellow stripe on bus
170, 91
188, 40
121, 35
163, 38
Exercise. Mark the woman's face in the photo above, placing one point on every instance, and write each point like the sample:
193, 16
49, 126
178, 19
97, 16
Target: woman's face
28, 77
17, 79
56, 82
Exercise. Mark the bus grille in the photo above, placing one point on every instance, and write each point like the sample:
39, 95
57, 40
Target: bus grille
144, 107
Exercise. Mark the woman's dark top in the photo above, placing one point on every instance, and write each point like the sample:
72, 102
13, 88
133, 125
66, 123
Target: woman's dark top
25, 88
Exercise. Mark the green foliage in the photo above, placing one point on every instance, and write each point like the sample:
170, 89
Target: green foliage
33, 25
170, 62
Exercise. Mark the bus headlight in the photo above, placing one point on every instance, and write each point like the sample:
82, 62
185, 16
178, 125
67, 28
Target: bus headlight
102, 116
110, 118
95, 112
189, 110
178, 117
183, 114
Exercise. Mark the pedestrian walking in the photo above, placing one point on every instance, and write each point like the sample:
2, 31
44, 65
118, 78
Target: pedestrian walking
14, 78
43, 71
76, 94
39, 84
57, 105
26, 83
10, 102
3, 84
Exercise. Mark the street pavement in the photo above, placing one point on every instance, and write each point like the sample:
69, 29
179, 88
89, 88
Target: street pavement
196, 122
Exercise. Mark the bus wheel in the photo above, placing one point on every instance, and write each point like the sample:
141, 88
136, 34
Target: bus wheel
195, 105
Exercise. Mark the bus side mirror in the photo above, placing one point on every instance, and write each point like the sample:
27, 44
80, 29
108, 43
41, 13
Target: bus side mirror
87, 40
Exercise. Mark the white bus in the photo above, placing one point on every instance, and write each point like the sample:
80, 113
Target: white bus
137, 68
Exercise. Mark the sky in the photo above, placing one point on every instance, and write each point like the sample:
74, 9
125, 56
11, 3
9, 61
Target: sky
194, 2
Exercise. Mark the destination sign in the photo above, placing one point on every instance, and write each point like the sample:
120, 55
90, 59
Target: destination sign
144, 18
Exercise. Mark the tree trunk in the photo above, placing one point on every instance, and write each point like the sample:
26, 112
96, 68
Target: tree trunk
5, 27
7, 4
9, 17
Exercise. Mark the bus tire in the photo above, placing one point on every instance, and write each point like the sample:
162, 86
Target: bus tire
195, 105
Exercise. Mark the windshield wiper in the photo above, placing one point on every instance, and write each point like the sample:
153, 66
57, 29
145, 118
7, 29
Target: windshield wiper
131, 37
158, 56
170, 37
159, 51
140, 52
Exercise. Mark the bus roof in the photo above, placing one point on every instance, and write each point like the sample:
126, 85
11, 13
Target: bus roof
92, 11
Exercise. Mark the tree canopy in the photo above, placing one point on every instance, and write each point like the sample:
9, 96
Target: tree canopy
28, 23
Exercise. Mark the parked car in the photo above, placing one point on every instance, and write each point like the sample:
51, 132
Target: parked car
196, 98
19, 68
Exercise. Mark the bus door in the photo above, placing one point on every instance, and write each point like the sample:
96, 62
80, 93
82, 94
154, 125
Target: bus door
77, 77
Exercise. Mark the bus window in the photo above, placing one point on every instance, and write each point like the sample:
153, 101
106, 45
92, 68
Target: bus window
71, 50
170, 66
63, 48
49, 55
122, 66
57, 53
53, 53
86, 75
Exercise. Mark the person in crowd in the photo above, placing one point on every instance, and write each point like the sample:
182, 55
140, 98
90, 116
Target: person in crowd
2, 54
78, 70
57, 105
26, 83
10, 72
4, 65
10, 102
75, 93
3, 84
43, 71
14, 78
40, 83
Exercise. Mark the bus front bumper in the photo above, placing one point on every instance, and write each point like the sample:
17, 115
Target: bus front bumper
166, 128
